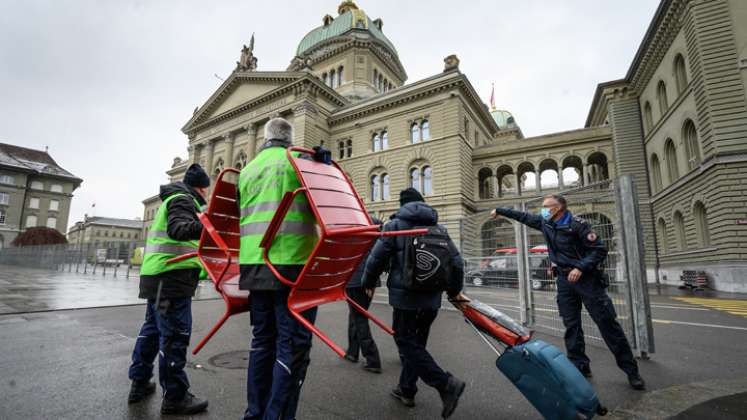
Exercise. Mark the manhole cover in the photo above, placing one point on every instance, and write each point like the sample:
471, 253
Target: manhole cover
238, 359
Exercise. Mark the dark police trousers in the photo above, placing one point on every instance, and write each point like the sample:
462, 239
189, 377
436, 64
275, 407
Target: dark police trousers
166, 332
278, 358
590, 292
411, 329
360, 339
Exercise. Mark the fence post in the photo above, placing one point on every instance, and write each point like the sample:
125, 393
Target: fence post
632, 231
526, 314
129, 258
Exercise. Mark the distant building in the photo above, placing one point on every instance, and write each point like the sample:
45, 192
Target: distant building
34, 191
105, 229
151, 205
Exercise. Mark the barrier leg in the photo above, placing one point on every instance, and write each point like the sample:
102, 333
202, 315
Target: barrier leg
212, 332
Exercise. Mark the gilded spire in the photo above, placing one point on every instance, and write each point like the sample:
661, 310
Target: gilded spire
346, 6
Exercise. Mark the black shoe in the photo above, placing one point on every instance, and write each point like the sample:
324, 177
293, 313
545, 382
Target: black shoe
407, 402
586, 371
187, 405
372, 368
636, 382
350, 358
450, 396
140, 390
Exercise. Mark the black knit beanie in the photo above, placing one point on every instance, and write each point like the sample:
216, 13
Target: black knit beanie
409, 195
196, 177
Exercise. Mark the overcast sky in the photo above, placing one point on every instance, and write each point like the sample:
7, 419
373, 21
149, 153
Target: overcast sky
107, 85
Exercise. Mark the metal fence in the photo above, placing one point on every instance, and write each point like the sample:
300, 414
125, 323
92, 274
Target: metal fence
512, 260
100, 258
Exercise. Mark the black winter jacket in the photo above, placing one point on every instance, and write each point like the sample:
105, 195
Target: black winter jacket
571, 245
391, 250
182, 225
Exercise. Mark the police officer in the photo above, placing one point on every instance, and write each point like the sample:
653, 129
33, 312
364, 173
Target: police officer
169, 289
279, 354
576, 253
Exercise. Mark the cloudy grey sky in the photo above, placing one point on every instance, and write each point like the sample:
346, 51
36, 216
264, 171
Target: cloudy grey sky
107, 85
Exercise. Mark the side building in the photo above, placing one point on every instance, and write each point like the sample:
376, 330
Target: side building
105, 229
34, 191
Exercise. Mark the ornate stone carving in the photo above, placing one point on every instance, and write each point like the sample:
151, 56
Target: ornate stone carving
451, 63
247, 62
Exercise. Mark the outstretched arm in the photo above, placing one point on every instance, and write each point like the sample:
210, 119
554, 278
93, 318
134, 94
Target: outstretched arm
531, 220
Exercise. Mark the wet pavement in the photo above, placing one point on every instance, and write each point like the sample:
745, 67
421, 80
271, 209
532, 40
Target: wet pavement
72, 364
28, 290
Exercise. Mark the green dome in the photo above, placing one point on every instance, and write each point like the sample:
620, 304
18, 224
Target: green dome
352, 19
503, 119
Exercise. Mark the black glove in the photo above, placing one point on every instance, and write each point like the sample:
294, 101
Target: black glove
322, 154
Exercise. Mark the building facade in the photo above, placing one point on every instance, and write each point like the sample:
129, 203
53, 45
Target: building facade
34, 191
105, 229
677, 123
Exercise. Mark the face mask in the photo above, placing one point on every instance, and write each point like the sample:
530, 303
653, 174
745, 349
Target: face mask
546, 213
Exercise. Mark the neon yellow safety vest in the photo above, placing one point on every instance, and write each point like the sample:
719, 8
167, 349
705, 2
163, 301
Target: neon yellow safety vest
159, 247
262, 185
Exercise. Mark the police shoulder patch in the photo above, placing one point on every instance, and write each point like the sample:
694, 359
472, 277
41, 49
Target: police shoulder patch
592, 236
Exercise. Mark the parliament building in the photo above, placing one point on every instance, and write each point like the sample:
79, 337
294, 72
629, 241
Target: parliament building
676, 122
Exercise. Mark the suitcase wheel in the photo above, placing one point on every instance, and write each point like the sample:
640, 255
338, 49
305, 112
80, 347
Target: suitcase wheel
602, 410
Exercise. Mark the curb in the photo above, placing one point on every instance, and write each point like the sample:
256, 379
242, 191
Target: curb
668, 402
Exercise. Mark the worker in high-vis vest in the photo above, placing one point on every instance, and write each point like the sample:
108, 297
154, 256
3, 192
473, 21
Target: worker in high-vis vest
169, 289
279, 354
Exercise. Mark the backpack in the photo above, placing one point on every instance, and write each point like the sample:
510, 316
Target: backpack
427, 260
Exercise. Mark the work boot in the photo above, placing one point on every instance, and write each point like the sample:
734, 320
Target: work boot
636, 382
187, 405
407, 402
586, 371
450, 396
350, 358
139, 390
372, 368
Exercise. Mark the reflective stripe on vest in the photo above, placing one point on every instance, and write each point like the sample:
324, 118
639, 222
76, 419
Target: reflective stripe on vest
159, 247
262, 185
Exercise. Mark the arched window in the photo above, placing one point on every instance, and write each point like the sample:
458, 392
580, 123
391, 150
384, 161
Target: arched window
692, 146
549, 174
375, 192
506, 180
656, 174
218, 166
414, 133
661, 93
325, 79
680, 74
425, 130
349, 144
339, 76
670, 153
381, 82
485, 178
701, 223
648, 117
679, 230
332, 79
415, 178
427, 181
376, 142
384, 140
661, 227
385, 186
341, 149
241, 161
375, 78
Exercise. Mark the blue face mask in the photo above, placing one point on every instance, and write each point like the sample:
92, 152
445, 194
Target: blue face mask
545, 213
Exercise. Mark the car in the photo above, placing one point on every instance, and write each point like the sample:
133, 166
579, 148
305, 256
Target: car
501, 268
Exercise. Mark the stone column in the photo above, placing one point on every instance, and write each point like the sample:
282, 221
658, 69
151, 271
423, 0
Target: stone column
251, 130
560, 178
209, 163
197, 152
518, 184
229, 139
586, 175
539, 181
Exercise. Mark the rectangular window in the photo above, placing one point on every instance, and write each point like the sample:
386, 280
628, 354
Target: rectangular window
52, 222
54, 205
2, 217
7, 179
33, 203
466, 128
56, 188
37, 185
31, 221
4, 198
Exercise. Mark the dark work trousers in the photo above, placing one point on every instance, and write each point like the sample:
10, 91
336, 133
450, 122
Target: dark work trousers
360, 339
165, 332
278, 358
589, 292
411, 329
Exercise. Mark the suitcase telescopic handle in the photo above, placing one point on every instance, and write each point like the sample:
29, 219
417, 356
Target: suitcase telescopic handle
485, 339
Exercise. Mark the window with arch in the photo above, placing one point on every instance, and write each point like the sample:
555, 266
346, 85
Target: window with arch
376, 142
661, 94
380, 187
349, 147
679, 230
375, 188
680, 74
414, 133
506, 180
339, 76
427, 180
341, 150
384, 140
376, 78
381, 82
415, 178
332, 79
325, 78
661, 227
485, 179
670, 153
241, 161
425, 130
648, 117
656, 173
218, 166
385, 187
692, 145
701, 224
